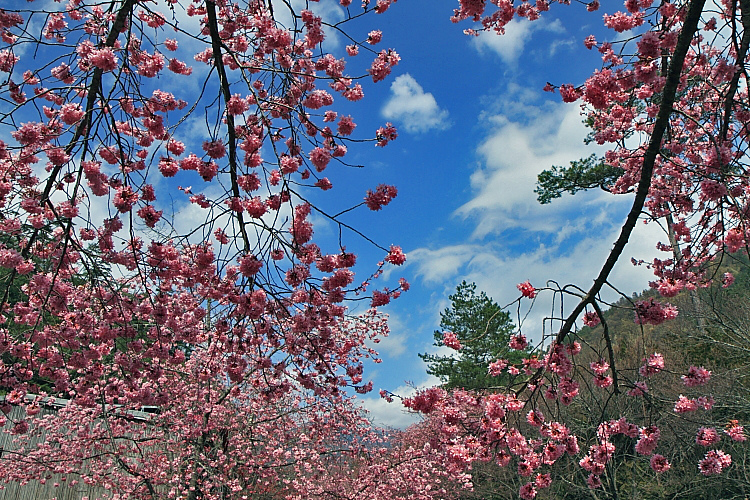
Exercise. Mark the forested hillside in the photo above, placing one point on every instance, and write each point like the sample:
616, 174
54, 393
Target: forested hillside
712, 331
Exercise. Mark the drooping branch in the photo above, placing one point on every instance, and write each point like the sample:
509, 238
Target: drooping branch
94, 90
610, 351
689, 28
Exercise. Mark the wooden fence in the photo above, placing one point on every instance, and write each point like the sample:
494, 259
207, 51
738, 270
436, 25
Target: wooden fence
54, 486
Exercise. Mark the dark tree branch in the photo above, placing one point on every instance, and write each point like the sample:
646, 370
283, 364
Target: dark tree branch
689, 28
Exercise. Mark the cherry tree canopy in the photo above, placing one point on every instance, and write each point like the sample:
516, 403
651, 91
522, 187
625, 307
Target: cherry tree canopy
122, 288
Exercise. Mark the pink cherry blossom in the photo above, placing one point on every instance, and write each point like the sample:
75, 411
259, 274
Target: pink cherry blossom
518, 342
386, 134
735, 431
214, 149
320, 158
707, 436
104, 59
696, 376
685, 405
591, 319
653, 365
714, 462
382, 65
346, 125
496, 367
7, 61
451, 340
374, 37
727, 280
659, 463
71, 113
395, 256
528, 491
649, 438
527, 290
639, 390
651, 312
593, 481
599, 367
382, 196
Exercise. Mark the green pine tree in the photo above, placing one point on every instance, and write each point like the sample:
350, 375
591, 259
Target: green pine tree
483, 329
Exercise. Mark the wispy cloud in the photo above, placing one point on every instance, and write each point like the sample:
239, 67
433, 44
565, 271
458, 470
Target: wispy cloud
512, 155
518, 33
442, 264
496, 270
415, 110
514, 238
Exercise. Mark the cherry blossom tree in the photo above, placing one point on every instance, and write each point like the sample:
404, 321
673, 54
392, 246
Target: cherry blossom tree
163, 164
123, 288
670, 102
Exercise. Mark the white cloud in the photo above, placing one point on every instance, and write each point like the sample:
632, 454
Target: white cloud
416, 110
394, 345
496, 271
442, 264
508, 46
557, 45
514, 238
518, 32
512, 156
394, 415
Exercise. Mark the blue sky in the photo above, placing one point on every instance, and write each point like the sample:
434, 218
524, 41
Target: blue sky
475, 129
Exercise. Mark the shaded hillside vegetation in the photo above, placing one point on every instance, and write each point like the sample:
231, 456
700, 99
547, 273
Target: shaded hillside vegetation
712, 330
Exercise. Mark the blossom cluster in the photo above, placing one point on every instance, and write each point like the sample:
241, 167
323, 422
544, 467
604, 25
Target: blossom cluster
451, 340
